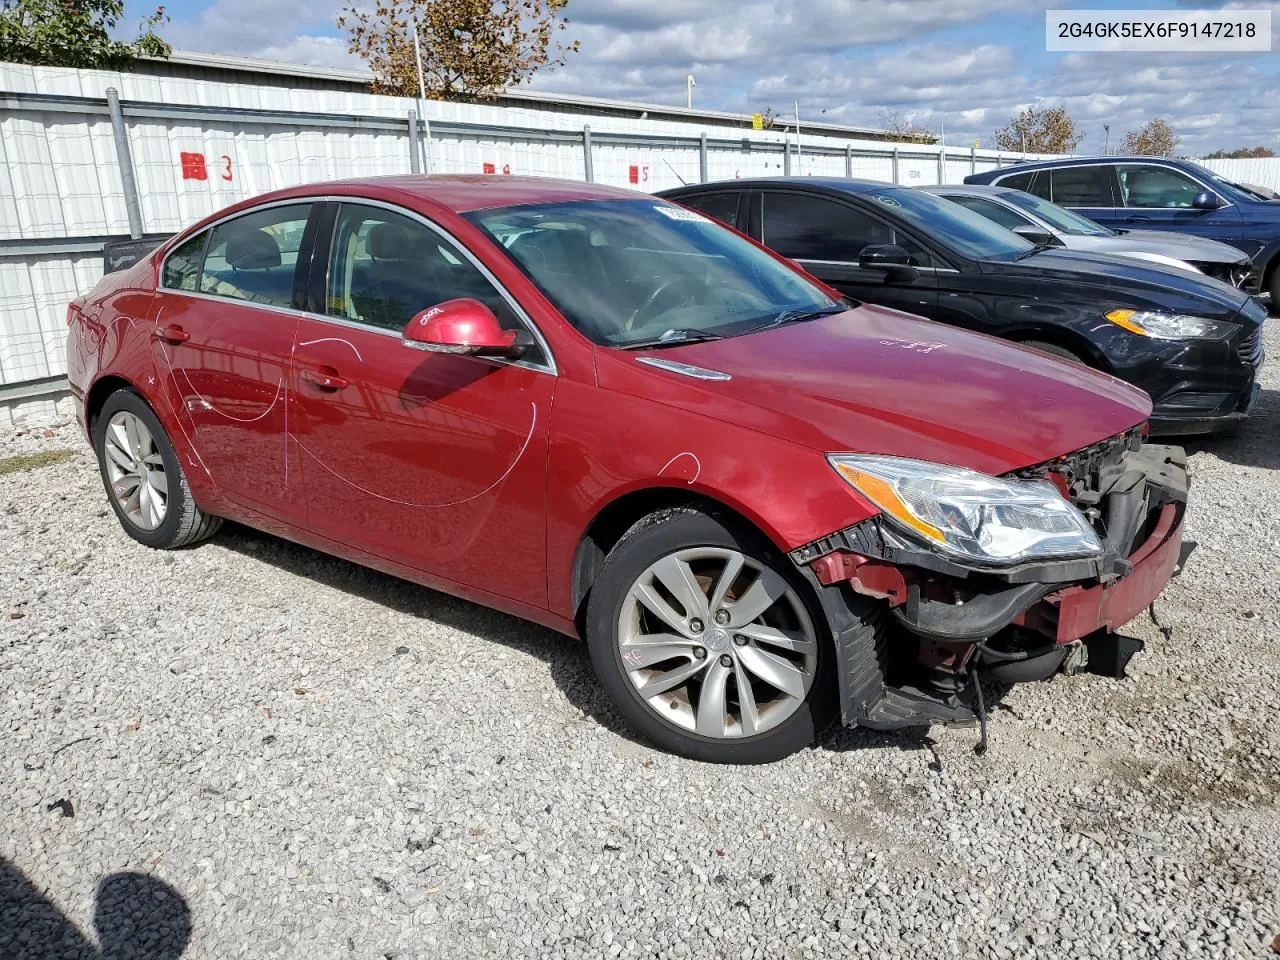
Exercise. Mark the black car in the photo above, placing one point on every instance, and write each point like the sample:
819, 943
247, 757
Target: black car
1193, 343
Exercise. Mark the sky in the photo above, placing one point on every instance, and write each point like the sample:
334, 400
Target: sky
965, 66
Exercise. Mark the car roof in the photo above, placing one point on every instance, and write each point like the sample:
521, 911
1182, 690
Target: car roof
460, 193
838, 184
1071, 162
975, 189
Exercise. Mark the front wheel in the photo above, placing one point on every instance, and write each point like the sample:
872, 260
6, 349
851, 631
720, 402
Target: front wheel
1054, 350
709, 642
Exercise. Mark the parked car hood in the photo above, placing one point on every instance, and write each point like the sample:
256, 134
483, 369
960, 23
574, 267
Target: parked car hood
1181, 246
1171, 287
876, 380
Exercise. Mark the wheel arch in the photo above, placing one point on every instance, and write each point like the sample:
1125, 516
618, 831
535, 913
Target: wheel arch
1067, 339
102, 388
618, 515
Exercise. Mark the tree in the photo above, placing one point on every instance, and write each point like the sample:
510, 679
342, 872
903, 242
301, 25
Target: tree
1155, 139
74, 33
470, 48
904, 128
1050, 130
1241, 153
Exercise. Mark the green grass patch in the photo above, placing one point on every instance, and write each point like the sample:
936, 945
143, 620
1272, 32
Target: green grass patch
33, 461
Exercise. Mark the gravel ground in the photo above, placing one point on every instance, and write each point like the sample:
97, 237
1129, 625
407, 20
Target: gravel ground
256, 750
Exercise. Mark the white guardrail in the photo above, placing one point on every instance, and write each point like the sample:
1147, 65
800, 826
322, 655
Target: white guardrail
88, 155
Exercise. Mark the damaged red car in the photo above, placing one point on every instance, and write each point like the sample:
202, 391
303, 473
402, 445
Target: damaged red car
762, 506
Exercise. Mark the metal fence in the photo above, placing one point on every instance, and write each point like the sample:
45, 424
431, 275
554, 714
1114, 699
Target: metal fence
81, 164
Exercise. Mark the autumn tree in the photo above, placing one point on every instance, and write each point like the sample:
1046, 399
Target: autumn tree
74, 33
1155, 139
905, 128
1049, 130
1241, 153
470, 48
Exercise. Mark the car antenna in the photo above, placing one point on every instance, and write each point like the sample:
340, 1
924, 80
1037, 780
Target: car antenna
683, 183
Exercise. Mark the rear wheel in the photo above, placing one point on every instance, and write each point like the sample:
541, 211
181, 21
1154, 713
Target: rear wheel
1273, 287
143, 477
708, 640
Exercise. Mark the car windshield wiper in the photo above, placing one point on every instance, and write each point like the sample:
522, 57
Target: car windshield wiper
1038, 248
795, 315
672, 338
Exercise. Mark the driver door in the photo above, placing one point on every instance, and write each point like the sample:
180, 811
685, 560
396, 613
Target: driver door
432, 460
826, 236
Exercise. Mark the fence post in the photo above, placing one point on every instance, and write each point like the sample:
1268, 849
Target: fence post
415, 148
587, 168
786, 154
895, 164
702, 158
848, 160
973, 160
124, 157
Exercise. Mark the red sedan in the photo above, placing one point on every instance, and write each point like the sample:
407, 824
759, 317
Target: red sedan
762, 506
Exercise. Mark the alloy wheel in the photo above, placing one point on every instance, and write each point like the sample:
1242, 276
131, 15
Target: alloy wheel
135, 470
717, 643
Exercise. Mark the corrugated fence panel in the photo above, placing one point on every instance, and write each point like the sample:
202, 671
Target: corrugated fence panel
1260, 171
60, 176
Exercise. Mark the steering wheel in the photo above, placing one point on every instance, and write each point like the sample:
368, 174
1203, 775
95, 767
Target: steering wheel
642, 312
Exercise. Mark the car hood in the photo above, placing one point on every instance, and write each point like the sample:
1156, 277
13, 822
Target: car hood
1181, 246
875, 380
1172, 287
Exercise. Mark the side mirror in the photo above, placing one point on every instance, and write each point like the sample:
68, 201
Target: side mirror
894, 261
1207, 201
1037, 235
463, 326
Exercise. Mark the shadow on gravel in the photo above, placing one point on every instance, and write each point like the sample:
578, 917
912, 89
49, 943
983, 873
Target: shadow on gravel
566, 658
136, 917
1255, 443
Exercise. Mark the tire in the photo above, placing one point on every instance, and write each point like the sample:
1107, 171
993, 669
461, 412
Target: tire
1054, 350
1273, 287
129, 440
774, 718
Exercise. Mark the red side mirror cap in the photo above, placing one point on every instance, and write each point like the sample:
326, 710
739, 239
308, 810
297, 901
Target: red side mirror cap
462, 326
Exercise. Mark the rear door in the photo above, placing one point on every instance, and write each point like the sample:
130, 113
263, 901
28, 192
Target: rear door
826, 236
224, 330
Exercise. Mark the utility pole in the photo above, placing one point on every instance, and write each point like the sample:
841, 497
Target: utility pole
1106, 140
798, 134
422, 93
688, 89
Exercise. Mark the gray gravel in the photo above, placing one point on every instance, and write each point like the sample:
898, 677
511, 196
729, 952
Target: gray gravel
286, 755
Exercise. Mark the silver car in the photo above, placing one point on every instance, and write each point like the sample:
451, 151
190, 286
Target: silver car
1040, 221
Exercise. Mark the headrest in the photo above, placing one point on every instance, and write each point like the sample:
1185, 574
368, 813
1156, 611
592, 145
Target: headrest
253, 250
393, 241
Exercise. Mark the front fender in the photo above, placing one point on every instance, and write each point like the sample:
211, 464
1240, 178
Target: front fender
789, 492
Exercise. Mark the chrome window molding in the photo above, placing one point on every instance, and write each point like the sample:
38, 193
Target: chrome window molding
548, 367
854, 263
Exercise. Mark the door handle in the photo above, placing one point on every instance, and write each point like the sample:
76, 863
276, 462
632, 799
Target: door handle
172, 333
326, 378
1137, 219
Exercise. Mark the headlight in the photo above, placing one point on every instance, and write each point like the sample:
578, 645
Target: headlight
970, 515
1170, 326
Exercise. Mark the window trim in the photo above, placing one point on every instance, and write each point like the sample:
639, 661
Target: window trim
1111, 165
322, 247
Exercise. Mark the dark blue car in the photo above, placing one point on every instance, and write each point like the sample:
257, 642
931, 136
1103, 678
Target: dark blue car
1154, 193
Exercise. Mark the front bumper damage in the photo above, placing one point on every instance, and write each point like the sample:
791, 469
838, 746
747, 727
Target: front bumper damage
944, 628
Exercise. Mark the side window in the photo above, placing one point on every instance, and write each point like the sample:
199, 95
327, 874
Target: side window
1017, 181
814, 228
384, 268
995, 212
253, 257
1081, 187
1151, 186
718, 206
182, 267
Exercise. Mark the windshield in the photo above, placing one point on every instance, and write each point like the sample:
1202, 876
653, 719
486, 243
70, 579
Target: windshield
1060, 218
630, 272
952, 225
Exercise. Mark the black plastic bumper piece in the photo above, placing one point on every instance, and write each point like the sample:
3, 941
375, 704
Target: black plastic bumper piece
977, 619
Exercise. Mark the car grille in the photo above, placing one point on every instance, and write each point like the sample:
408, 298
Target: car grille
1250, 348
